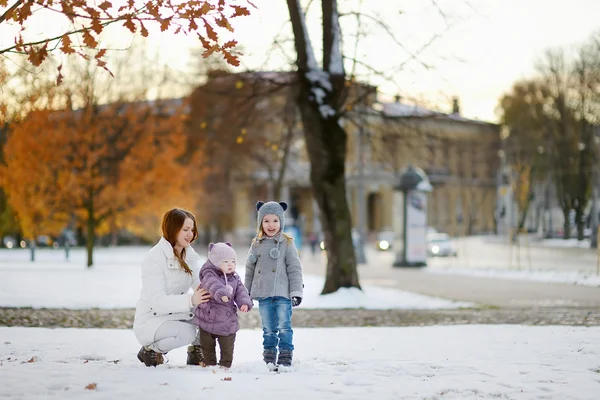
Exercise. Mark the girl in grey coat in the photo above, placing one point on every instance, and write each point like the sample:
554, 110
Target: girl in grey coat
274, 278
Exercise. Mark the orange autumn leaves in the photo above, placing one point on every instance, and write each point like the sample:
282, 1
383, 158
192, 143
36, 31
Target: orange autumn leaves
103, 164
85, 21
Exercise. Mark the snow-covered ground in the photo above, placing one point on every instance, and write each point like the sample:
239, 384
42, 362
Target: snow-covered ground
114, 282
439, 362
569, 277
583, 244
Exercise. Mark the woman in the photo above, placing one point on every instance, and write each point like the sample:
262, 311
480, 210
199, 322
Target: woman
164, 310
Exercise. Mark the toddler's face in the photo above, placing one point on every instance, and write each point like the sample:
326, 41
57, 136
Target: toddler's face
228, 266
271, 224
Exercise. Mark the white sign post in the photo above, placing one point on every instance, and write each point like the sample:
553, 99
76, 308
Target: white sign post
414, 185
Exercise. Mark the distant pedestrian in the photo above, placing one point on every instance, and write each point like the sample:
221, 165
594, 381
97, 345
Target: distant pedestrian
164, 311
218, 319
313, 240
274, 278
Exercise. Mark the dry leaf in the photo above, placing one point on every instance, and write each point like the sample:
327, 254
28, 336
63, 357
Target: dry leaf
91, 386
227, 378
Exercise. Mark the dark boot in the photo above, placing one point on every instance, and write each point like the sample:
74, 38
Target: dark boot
285, 358
269, 356
194, 355
150, 357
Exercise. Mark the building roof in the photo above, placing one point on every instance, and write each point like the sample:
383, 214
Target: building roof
401, 110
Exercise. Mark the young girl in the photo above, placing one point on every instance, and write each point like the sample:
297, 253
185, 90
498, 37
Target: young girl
274, 278
218, 318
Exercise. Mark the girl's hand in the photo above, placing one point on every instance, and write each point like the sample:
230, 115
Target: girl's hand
225, 299
244, 308
200, 296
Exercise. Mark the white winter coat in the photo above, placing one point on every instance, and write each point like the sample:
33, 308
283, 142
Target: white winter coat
165, 286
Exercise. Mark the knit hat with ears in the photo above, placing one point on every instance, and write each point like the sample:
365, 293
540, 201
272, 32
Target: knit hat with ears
219, 252
269, 208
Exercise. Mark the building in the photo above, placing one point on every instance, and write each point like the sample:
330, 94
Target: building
459, 155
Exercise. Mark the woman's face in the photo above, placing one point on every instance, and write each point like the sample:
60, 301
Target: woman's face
185, 235
271, 225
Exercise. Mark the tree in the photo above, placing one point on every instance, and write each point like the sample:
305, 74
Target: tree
100, 163
322, 90
241, 123
87, 20
551, 118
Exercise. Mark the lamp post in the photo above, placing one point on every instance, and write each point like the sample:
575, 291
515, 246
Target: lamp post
414, 184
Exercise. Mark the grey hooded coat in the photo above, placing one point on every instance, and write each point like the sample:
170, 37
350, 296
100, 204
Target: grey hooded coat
270, 277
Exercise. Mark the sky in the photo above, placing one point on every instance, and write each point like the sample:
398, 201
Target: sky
480, 48
487, 46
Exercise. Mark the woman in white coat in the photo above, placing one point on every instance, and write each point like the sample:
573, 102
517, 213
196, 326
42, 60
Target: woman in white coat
164, 310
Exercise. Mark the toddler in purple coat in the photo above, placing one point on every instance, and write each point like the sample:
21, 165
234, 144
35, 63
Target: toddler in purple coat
217, 319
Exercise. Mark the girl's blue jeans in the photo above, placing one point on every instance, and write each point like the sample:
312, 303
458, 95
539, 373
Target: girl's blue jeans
276, 315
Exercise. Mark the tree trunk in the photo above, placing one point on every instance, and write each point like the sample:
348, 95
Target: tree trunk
566, 224
321, 91
579, 222
91, 233
326, 144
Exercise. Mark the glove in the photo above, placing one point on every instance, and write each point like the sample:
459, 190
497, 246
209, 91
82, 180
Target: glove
296, 301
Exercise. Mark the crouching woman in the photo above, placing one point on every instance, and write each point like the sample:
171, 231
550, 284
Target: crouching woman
165, 309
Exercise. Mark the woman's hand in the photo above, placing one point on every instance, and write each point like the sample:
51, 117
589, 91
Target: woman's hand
200, 296
244, 308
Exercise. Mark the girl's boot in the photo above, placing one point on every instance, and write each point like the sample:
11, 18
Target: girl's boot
269, 356
285, 358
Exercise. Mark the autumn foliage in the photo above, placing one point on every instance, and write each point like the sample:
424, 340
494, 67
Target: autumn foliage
101, 165
87, 20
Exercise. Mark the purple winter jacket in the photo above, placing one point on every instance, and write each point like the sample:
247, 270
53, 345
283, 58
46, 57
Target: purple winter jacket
215, 316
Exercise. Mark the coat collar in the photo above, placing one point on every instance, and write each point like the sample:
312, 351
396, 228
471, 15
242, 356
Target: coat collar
277, 238
165, 246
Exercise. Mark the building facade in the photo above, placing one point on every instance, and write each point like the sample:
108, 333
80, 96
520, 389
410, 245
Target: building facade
459, 155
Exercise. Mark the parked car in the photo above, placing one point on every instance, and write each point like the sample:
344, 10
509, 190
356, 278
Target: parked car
440, 245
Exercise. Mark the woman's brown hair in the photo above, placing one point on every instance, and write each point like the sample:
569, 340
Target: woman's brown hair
172, 223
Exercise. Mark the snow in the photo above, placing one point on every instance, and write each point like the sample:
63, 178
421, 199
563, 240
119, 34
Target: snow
568, 277
400, 110
336, 61
406, 110
326, 110
310, 54
424, 186
438, 362
114, 282
585, 243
